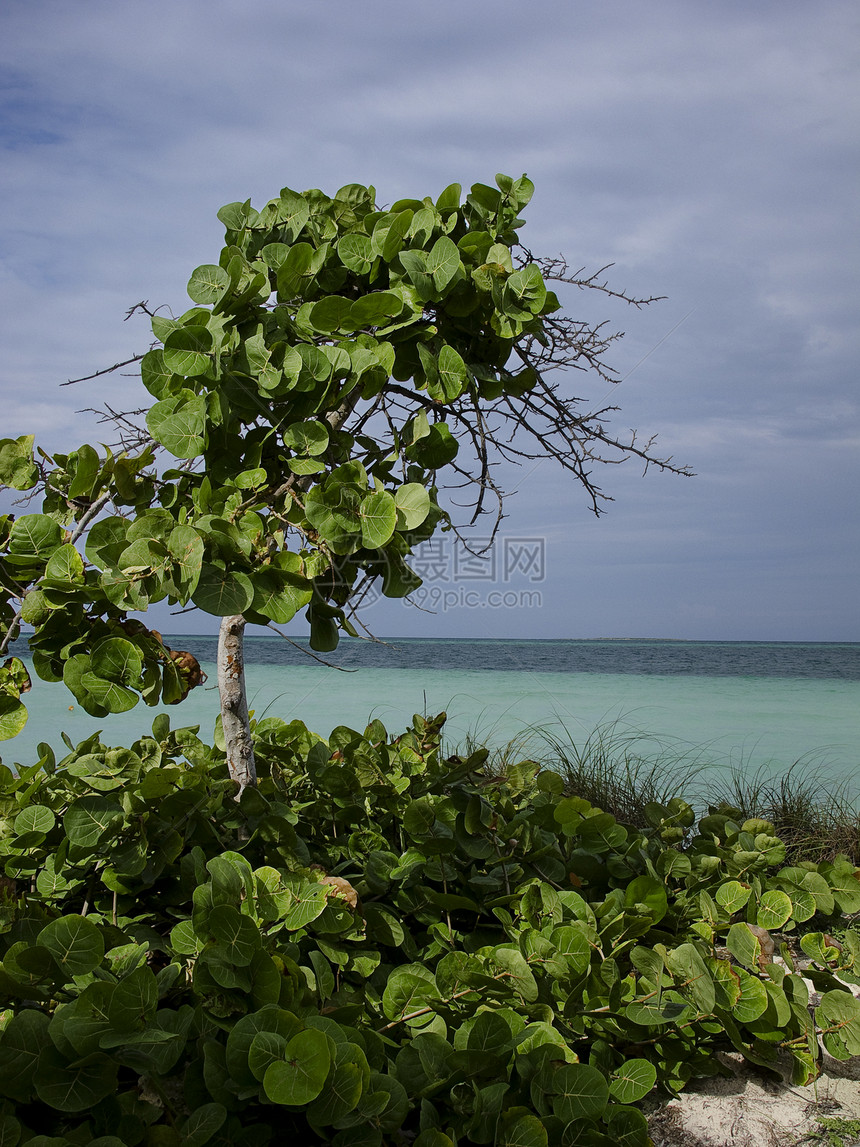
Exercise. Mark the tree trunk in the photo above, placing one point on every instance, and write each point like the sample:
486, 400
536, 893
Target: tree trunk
234, 705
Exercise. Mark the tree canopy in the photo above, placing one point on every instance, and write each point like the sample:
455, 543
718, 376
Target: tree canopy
341, 364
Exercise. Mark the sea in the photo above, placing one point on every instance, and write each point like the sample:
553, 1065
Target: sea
726, 705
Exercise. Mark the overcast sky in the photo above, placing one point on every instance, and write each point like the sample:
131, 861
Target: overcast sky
708, 150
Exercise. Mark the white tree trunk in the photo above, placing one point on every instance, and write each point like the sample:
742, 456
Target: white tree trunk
234, 705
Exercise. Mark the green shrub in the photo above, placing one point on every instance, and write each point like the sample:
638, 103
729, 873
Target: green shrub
379, 946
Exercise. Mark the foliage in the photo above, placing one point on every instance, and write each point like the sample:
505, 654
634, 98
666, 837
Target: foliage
339, 361
379, 945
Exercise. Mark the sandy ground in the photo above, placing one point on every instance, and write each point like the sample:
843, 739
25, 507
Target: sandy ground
747, 1110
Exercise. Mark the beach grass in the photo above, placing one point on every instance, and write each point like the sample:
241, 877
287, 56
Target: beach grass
622, 770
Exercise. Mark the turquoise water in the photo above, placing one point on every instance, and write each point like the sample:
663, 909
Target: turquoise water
767, 705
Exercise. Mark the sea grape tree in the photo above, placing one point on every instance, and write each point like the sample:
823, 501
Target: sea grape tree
340, 365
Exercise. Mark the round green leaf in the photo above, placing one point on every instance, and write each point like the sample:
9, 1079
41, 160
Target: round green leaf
65, 564
633, 1080
34, 535
356, 253
375, 309
75, 943
649, 892
330, 313
307, 902
207, 284
17, 468
74, 1086
119, 660
89, 818
774, 909
732, 896
753, 999
134, 1001
413, 505
222, 592
443, 261
235, 934
155, 376
307, 437
378, 514
839, 1015
453, 376
409, 988
202, 1124
35, 818
580, 1092
13, 716
179, 424
107, 694
188, 351
301, 1075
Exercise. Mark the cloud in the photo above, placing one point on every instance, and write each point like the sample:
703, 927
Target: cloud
709, 151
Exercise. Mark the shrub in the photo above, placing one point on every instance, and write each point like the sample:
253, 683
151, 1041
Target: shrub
378, 945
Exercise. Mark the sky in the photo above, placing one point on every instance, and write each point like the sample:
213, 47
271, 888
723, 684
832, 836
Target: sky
708, 151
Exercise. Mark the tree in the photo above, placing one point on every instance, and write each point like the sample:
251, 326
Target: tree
341, 364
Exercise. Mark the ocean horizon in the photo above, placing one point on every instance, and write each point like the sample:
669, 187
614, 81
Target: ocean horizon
747, 705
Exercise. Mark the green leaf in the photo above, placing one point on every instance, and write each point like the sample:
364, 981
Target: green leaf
89, 819
649, 892
743, 945
17, 468
300, 1076
186, 547
202, 1124
74, 1086
686, 964
179, 424
378, 514
839, 1015
222, 592
579, 1092
134, 1001
331, 313
375, 309
35, 818
774, 909
65, 565
107, 694
34, 536
356, 253
155, 376
188, 351
410, 988
235, 934
413, 505
307, 437
633, 1080
268, 1021
443, 262
117, 660
389, 233
308, 901
732, 896
525, 291
753, 1000
453, 376
21, 1043
13, 716
206, 285
521, 1130
74, 942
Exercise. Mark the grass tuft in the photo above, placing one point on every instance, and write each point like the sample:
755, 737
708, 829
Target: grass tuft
621, 770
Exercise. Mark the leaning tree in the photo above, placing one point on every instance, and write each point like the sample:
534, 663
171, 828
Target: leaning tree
340, 366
